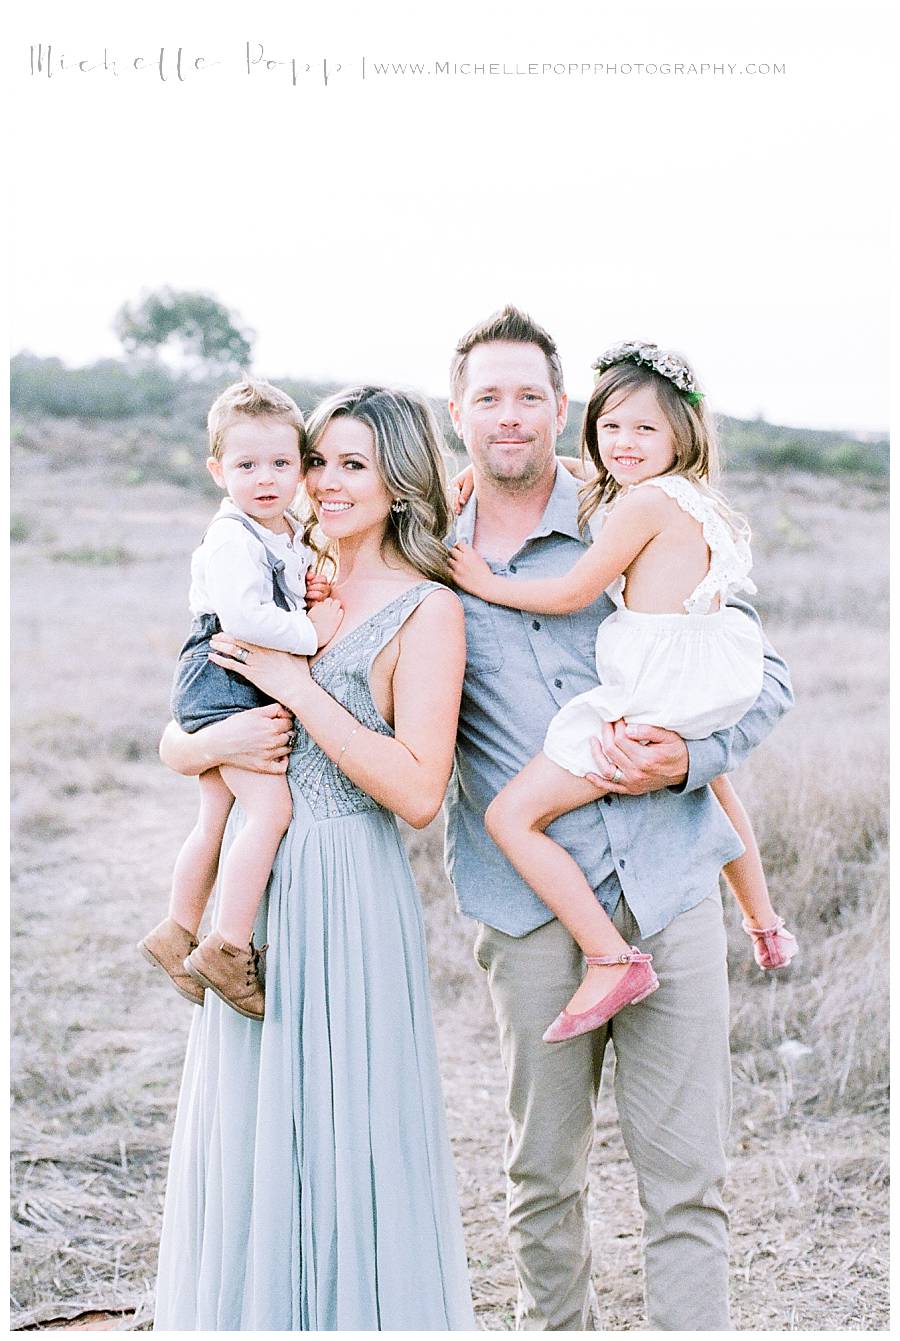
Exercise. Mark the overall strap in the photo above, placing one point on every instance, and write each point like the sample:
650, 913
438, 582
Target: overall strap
280, 594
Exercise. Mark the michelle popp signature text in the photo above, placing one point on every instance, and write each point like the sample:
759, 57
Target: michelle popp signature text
171, 64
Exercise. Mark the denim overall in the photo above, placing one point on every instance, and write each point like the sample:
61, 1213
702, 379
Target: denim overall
203, 692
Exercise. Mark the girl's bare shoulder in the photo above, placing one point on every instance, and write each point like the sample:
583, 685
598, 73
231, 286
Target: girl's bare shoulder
649, 506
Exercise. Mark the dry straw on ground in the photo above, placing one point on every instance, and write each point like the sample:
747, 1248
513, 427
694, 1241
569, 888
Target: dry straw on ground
101, 572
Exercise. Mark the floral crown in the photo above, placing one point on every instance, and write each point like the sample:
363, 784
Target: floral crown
663, 361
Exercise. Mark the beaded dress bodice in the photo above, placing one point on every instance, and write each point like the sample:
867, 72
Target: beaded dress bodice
343, 672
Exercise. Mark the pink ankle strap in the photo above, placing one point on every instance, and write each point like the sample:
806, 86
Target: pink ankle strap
632, 956
763, 931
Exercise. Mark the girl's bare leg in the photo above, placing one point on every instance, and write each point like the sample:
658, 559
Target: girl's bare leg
745, 874
265, 799
198, 861
516, 820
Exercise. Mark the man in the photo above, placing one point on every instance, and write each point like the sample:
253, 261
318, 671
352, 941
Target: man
652, 849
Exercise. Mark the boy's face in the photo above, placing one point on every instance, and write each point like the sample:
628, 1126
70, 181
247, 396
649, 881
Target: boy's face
259, 467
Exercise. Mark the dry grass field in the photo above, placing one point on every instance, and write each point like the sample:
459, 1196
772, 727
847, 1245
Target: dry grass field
99, 610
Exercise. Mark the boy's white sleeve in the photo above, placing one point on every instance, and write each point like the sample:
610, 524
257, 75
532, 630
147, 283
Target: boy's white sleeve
238, 586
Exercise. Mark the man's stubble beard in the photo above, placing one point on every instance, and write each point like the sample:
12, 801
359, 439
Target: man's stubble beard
521, 481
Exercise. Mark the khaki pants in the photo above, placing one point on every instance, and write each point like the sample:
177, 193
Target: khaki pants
673, 1094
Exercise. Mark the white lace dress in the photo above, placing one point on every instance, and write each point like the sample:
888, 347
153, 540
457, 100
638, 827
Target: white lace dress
694, 673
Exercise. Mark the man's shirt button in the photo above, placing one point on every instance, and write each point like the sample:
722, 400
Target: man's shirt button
535, 623
607, 800
622, 864
512, 568
558, 683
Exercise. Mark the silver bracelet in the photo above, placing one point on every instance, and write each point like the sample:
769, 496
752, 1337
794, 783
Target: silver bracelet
346, 743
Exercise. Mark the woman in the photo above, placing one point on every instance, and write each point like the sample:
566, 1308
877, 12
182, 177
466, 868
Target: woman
311, 1185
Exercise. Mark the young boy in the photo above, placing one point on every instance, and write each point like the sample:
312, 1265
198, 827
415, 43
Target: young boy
248, 577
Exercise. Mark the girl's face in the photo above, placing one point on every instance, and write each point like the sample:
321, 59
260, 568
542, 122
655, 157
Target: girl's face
342, 479
634, 438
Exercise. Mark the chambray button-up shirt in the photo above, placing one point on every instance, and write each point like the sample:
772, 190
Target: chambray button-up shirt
662, 850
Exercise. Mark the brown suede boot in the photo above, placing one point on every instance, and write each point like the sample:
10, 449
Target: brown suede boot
230, 973
166, 947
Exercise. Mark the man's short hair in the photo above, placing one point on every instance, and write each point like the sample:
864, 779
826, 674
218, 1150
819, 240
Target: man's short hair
249, 398
513, 325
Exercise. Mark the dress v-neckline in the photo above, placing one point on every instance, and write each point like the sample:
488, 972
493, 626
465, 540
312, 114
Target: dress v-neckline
333, 647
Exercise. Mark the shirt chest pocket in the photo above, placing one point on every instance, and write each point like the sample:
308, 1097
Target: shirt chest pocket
484, 651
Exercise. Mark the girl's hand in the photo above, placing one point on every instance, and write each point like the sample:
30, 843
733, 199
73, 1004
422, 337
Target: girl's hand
461, 489
469, 570
574, 466
281, 675
325, 618
318, 588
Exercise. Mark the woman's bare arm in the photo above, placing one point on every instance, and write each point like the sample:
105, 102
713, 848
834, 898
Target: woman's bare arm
258, 739
408, 773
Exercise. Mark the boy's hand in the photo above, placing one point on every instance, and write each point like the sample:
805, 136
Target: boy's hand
470, 571
318, 588
461, 489
325, 617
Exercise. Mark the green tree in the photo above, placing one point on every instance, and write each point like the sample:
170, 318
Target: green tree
191, 325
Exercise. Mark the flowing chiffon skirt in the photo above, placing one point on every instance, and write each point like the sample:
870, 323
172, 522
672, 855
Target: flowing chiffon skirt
311, 1184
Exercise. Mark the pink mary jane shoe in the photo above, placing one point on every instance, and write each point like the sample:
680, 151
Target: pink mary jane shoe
638, 983
773, 947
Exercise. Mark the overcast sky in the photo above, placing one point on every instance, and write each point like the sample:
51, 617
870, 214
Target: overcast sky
360, 226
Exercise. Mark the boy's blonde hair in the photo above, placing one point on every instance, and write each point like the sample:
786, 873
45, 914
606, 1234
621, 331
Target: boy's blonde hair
251, 397
693, 430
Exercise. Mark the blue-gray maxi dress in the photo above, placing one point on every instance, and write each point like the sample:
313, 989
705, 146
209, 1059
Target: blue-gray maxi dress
311, 1184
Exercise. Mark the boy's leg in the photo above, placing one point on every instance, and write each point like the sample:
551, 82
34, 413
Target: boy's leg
198, 861
265, 799
551, 1092
673, 1093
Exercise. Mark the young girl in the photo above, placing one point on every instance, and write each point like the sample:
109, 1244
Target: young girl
248, 577
674, 655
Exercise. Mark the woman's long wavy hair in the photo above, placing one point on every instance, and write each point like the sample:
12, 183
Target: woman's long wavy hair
409, 456
693, 429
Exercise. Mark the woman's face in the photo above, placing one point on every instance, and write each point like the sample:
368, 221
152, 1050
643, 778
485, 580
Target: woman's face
342, 479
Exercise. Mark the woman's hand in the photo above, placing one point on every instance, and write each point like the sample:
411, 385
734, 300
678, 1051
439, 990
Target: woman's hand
469, 570
281, 675
259, 739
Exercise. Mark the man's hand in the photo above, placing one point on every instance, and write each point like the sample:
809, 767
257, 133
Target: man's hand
318, 588
635, 759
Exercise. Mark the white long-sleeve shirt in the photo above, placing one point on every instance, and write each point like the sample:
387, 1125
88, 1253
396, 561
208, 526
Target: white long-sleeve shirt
231, 578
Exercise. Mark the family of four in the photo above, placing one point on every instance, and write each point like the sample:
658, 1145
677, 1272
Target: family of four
333, 680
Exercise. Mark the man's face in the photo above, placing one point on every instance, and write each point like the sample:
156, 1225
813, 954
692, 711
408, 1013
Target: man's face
507, 415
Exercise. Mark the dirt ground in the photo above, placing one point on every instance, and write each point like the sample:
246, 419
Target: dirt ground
99, 1040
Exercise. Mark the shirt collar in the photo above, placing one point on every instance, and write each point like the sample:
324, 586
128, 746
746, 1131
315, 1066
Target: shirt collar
228, 508
560, 514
